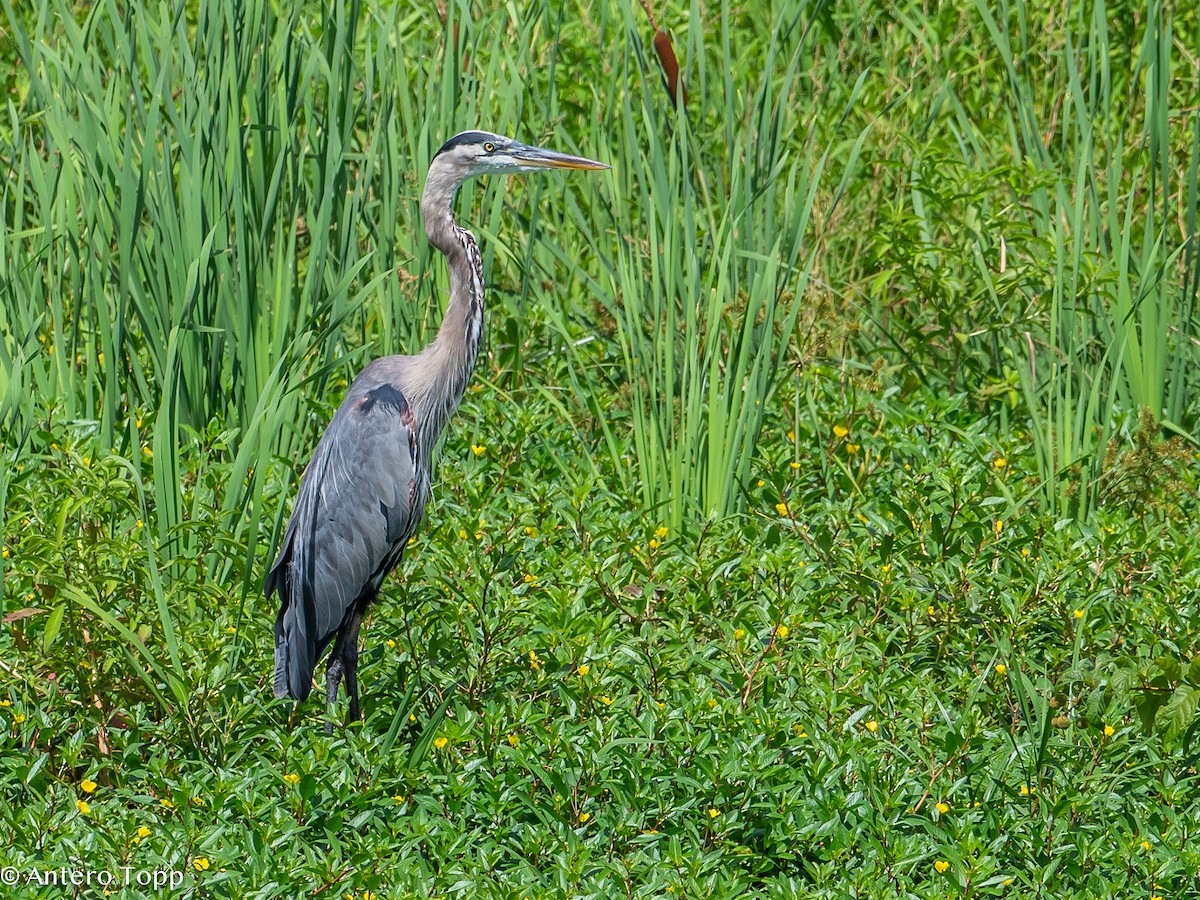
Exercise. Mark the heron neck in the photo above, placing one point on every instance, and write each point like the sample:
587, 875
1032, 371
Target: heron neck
451, 357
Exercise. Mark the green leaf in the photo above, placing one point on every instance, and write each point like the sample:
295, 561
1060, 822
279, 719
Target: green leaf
53, 624
1178, 713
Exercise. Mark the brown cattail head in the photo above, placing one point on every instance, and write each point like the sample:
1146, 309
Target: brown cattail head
670, 67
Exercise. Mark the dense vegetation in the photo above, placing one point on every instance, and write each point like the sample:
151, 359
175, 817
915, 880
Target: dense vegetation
818, 523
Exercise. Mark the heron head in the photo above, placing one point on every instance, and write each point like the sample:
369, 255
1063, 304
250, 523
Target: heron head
481, 153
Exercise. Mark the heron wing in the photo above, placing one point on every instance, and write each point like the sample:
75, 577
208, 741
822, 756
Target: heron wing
356, 509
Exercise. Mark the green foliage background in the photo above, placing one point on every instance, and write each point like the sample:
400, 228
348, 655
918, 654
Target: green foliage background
821, 519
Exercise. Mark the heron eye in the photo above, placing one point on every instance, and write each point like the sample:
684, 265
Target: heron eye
489, 147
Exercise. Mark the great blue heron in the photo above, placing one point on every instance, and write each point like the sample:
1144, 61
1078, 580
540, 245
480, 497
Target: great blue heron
364, 491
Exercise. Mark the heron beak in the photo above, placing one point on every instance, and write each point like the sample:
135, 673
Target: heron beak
539, 158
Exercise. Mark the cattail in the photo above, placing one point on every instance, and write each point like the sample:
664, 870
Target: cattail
666, 59
670, 67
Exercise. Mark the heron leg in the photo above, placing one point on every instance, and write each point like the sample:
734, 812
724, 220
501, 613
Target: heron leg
333, 676
350, 657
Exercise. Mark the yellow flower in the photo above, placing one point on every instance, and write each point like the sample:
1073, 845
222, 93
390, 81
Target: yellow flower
514, 740
661, 533
441, 742
1024, 551
143, 831
87, 785
1001, 668
1145, 845
739, 633
82, 807
368, 895
412, 717
530, 578
583, 817
147, 451
1109, 731
5, 703
852, 448
791, 435
139, 523
478, 449
840, 431
606, 700
943, 808
390, 644
534, 662
713, 812
712, 703
999, 462
399, 798
1079, 613
998, 527
781, 631
932, 612
530, 531
291, 778
872, 726
479, 535
166, 803
653, 544
781, 508
760, 482
941, 865
4, 553
197, 801
200, 864
1026, 790
794, 464
19, 718
584, 669
462, 535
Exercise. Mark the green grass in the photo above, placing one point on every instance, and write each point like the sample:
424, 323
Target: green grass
784, 546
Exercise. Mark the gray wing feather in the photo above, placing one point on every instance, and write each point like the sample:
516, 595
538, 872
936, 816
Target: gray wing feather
356, 508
